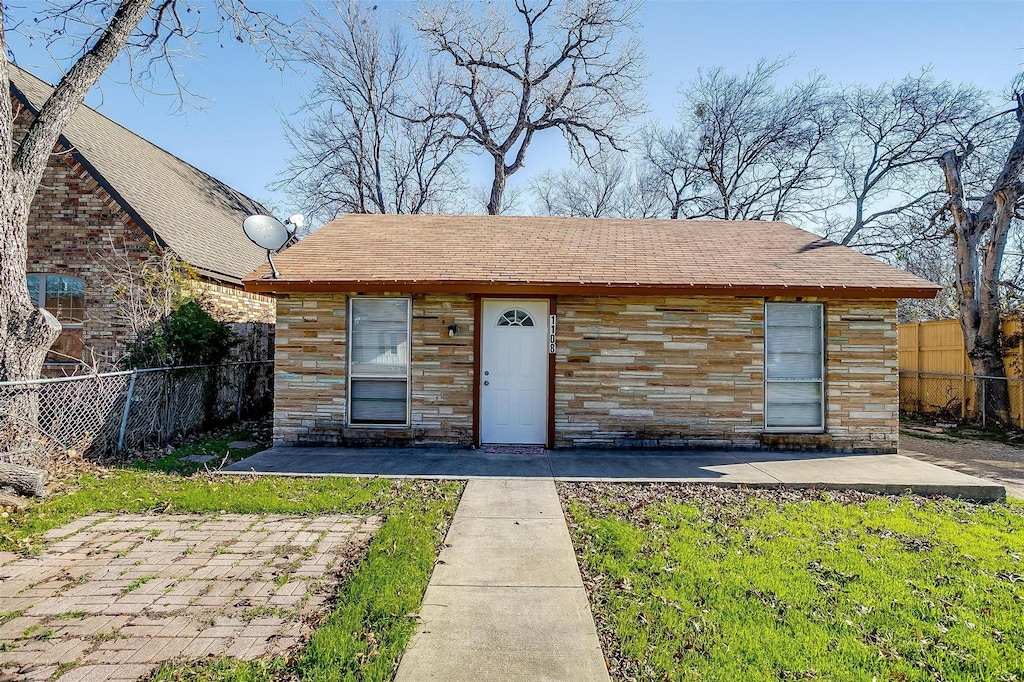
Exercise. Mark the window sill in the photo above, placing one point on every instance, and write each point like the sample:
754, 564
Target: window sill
377, 426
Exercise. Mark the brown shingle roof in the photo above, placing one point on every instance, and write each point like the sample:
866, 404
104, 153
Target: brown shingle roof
494, 254
180, 206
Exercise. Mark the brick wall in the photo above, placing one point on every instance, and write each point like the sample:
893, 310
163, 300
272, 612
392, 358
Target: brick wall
233, 304
629, 372
310, 405
73, 224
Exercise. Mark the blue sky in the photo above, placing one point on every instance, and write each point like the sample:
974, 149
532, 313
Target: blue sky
237, 134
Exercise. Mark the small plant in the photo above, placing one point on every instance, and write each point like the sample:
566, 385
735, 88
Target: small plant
65, 668
137, 583
105, 636
70, 615
274, 611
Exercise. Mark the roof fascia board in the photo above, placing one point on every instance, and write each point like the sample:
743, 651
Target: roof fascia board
853, 293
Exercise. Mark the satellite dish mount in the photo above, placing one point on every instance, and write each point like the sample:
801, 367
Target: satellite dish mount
271, 234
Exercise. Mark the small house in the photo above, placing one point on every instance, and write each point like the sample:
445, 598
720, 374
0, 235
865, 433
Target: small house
573, 332
108, 201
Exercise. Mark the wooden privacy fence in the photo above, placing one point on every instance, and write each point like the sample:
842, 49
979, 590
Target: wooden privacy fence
936, 375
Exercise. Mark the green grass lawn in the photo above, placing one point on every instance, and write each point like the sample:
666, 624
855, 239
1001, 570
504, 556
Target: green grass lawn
372, 618
699, 583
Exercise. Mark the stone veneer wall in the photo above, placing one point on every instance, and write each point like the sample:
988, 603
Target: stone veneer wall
629, 372
309, 403
659, 372
689, 372
862, 376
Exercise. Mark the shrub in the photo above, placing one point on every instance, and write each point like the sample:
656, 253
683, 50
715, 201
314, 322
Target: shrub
187, 336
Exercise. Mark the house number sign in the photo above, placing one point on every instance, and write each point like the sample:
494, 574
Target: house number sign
552, 325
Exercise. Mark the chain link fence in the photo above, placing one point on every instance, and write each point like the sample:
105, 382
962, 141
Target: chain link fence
101, 414
958, 397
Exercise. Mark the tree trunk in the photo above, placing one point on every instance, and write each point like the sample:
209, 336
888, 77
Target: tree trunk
992, 396
25, 339
980, 239
497, 187
12, 501
26, 332
24, 480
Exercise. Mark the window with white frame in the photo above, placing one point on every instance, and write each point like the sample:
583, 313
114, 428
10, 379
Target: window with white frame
64, 298
378, 361
794, 366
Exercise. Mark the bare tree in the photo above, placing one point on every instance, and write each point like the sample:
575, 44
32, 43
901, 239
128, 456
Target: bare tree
745, 149
353, 151
573, 66
669, 158
143, 290
609, 188
981, 223
147, 32
889, 140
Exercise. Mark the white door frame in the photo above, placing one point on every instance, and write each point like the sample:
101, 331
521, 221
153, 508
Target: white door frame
537, 431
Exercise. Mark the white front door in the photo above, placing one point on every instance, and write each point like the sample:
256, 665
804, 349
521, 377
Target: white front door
514, 371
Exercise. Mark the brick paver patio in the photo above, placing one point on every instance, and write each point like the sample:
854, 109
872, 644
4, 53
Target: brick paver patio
113, 596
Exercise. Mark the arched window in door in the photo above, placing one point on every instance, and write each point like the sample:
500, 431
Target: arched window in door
515, 318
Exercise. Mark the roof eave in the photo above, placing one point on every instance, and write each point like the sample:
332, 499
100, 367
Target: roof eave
280, 286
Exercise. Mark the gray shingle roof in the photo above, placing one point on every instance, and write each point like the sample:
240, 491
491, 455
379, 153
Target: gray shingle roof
195, 214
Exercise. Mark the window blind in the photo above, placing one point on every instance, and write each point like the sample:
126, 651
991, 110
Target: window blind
379, 361
794, 366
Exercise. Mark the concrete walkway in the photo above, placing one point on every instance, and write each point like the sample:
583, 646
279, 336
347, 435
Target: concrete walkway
884, 474
506, 601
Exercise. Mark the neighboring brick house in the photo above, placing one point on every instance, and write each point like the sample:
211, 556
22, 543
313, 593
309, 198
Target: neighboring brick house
568, 332
106, 191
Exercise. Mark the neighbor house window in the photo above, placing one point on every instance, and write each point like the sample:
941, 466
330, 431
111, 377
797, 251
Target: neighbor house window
378, 357
794, 366
64, 298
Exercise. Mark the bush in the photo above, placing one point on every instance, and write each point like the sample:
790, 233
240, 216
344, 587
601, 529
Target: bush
187, 336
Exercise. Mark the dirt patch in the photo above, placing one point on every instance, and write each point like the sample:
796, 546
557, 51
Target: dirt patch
989, 459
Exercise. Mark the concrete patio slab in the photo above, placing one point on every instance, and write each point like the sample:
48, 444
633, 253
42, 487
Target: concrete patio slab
884, 474
656, 466
434, 463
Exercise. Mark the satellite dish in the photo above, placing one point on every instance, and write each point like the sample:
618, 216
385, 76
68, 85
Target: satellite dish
267, 233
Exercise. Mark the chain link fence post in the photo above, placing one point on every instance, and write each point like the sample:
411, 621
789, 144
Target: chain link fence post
127, 411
